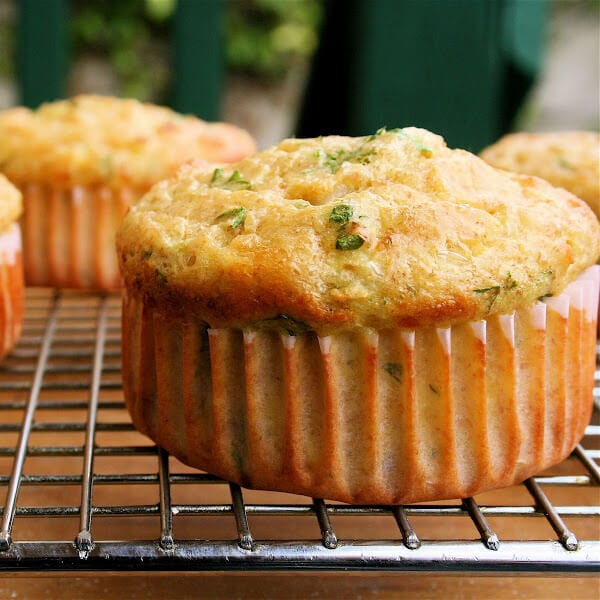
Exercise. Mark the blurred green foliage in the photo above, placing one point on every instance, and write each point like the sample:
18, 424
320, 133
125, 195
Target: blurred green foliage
264, 38
122, 31
6, 50
7, 38
267, 37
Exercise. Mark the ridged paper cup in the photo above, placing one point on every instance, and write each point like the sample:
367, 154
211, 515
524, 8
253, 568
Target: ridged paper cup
69, 235
368, 416
11, 288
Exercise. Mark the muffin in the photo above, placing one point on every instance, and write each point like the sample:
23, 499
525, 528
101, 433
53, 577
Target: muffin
567, 159
11, 267
81, 162
372, 320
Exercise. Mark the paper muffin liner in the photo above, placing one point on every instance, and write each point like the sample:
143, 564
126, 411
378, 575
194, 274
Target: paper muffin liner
11, 288
366, 416
69, 235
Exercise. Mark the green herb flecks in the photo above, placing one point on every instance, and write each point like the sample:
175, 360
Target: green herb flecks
494, 291
494, 288
335, 160
341, 214
565, 164
509, 282
362, 155
547, 274
234, 183
237, 182
288, 324
379, 132
235, 215
424, 150
218, 175
349, 241
394, 370
161, 276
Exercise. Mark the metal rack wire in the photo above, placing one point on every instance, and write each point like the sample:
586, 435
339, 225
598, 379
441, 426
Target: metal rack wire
82, 490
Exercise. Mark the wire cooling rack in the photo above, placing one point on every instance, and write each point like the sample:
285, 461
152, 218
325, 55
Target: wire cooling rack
82, 490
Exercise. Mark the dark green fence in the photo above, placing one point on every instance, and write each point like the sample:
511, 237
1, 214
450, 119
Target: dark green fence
197, 33
457, 67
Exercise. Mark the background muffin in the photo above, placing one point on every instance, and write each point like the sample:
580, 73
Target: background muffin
567, 159
81, 162
11, 267
360, 319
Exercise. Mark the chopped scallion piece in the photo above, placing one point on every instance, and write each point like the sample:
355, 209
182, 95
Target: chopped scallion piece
415, 142
349, 241
237, 215
394, 370
217, 174
234, 183
341, 214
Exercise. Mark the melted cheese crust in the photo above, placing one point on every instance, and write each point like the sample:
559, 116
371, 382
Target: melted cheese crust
567, 159
437, 236
95, 140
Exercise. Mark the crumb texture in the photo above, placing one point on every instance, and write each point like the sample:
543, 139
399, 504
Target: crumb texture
392, 229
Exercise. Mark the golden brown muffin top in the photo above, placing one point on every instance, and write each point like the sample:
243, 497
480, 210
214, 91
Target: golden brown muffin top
11, 204
567, 159
393, 229
97, 140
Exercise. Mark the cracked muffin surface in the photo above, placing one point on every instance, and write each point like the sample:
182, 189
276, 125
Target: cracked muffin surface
389, 229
